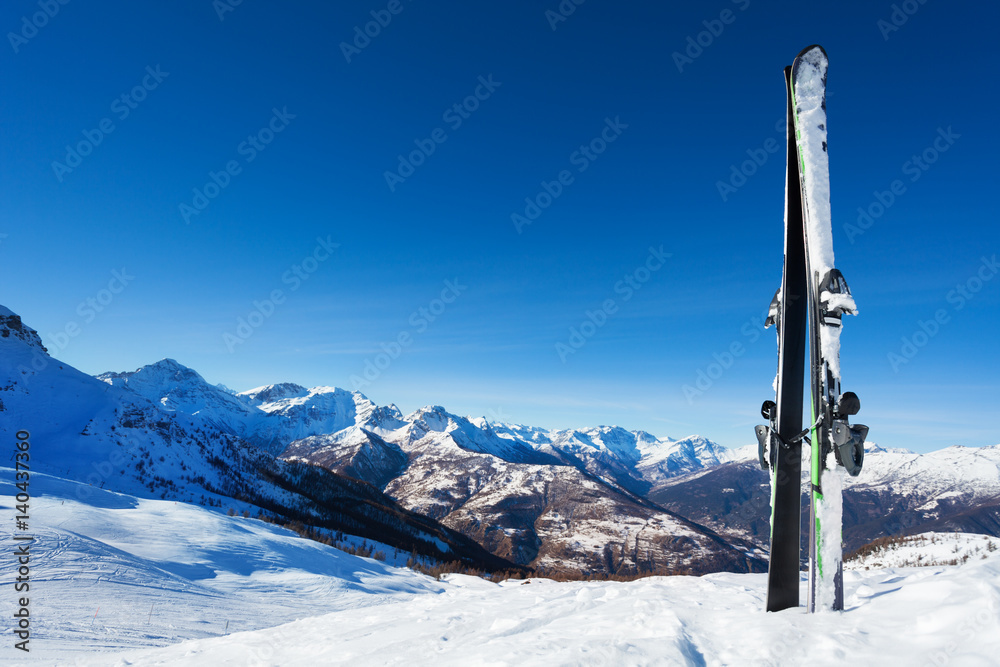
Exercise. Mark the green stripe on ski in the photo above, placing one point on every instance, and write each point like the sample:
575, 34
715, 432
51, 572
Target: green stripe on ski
774, 492
814, 446
798, 133
816, 458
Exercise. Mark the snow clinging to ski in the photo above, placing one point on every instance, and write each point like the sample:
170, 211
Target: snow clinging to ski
835, 446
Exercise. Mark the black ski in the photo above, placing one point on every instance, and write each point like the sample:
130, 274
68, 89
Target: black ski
780, 443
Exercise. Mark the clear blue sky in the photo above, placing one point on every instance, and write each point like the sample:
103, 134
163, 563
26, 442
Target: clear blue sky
493, 349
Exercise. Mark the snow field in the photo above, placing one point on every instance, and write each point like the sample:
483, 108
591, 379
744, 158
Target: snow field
124, 581
935, 616
119, 572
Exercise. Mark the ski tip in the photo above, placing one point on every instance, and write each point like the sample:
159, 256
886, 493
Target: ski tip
811, 57
806, 50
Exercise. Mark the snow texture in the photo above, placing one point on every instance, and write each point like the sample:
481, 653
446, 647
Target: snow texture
111, 571
928, 550
809, 85
810, 112
843, 301
830, 517
128, 581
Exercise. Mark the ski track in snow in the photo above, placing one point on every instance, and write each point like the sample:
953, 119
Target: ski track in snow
164, 578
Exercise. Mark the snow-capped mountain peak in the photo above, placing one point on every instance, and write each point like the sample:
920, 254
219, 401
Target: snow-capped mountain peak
178, 388
271, 416
433, 417
385, 417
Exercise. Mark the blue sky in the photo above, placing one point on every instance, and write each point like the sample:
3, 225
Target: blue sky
277, 139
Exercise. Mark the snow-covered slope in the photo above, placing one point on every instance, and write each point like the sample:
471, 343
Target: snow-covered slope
711, 620
924, 550
114, 571
354, 611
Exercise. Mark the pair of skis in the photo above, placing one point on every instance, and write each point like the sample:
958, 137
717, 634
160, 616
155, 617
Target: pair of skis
814, 292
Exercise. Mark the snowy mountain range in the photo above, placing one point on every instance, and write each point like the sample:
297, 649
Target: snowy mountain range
552, 500
592, 500
186, 445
